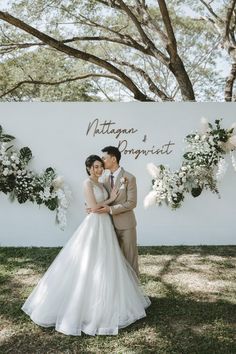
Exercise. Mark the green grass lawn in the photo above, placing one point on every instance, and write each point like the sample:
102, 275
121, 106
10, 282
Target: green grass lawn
193, 310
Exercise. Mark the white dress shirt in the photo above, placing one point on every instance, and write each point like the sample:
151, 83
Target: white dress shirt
115, 174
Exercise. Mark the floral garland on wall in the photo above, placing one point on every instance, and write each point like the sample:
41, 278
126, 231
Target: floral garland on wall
22, 184
203, 166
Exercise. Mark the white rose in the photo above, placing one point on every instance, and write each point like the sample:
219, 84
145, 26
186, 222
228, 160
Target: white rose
5, 172
58, 182
6, 163
47, 192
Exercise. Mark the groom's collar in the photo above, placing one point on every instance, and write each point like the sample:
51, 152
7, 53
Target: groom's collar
116, 172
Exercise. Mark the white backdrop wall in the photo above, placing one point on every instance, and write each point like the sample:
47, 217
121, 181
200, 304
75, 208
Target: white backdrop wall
59, 137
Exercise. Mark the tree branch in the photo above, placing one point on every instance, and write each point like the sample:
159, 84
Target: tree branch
136, 22
230, 83
168, 26
74, 53
228, 42
229, 14
126, 41
53, 83
176, 64
149, 49
152, 86
210, 9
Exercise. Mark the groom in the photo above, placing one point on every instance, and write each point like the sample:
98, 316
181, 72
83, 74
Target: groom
121, 209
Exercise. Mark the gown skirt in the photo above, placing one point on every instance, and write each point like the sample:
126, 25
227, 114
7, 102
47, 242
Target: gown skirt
90, 286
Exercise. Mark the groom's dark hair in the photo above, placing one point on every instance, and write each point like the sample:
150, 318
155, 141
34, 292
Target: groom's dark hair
113, 151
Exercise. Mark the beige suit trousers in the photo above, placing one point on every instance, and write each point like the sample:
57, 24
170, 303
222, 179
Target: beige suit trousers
128, 243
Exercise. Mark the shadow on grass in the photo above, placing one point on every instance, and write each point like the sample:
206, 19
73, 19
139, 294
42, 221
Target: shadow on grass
186, 325
189, 326
178, 324
202, 250
37, 258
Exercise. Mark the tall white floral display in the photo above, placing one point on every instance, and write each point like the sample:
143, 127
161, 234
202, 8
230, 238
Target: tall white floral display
22, 184
203, 166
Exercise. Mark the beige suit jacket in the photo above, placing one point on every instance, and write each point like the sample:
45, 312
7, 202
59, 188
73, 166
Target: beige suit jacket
126, 200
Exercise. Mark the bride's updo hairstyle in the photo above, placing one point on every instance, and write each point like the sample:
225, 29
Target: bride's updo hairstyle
90, 161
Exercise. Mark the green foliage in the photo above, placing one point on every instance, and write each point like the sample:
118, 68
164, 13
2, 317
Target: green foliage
45, 65
23, 185
5, 138
177, 200
197, 45
7, 184
22, 197
189, 156
25, 154
196, 191
197, 171
52, 204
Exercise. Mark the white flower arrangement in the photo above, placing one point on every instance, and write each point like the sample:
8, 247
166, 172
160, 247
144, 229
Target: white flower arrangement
167, 187
25, 185
233, 160
222, 168
203, 166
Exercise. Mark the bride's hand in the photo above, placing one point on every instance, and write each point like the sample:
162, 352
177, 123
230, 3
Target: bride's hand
114, 193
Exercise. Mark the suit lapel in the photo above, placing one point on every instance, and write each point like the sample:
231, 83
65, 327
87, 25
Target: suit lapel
106, 183
117, 183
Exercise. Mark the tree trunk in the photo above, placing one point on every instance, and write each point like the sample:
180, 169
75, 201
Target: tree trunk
230, 84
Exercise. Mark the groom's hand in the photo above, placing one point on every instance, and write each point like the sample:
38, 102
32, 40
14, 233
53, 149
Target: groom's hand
105, 209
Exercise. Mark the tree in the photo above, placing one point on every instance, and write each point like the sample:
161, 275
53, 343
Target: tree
145, 49
223, 20
26, 77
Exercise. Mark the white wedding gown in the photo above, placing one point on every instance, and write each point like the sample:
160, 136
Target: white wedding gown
89, 286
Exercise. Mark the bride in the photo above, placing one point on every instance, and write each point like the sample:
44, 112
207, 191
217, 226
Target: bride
90, 286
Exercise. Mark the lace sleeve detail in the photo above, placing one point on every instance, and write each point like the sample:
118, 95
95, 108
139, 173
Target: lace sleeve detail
89, 194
